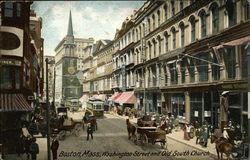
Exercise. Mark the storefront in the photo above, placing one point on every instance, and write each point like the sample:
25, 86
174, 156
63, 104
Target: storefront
178, 105
204, 107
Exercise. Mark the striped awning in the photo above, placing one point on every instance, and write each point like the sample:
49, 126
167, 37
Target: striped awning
10, 102
126, 97
115, 96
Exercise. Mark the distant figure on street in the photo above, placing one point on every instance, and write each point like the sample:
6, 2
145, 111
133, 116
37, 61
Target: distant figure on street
34, 149
186, 129
20, 145
27, 143
54, 147
89, 131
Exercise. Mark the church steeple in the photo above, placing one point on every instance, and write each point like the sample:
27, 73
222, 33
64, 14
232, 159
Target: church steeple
70, 26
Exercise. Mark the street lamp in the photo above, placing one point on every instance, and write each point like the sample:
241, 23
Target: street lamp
47, 110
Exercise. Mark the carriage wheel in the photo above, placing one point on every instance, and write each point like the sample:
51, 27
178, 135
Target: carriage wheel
77, 129
163, 144
62, 135
135, 139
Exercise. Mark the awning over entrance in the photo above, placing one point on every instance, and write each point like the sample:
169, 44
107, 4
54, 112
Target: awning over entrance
126, 97
13, 103
84, 98
115, 96
99, 96
234, 42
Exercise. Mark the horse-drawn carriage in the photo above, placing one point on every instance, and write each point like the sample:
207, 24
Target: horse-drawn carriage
145, 132
61, 128
150, 135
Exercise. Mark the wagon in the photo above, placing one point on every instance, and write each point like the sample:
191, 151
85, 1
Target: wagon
146, 135
69, 126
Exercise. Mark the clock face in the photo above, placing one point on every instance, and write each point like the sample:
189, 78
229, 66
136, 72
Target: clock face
71, 70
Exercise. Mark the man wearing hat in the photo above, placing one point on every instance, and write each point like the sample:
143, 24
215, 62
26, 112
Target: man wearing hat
89, 131
54, 146
223, 109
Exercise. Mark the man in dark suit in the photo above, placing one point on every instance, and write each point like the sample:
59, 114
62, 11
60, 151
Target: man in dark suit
54, 147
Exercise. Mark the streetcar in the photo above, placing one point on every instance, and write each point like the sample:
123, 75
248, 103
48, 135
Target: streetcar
95, 107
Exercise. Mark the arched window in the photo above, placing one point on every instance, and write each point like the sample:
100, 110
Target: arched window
149, 25
143, 29
231, 10
159, 44
154, 43
174, 38
159, 17
153, 17
215, 18
182, 34
166, 41
166, 11
181, 4
192, 22
173, 7
203, 24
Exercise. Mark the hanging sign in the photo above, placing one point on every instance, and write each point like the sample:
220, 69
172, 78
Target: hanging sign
11, 62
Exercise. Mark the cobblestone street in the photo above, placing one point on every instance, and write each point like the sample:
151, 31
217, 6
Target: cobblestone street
111, 137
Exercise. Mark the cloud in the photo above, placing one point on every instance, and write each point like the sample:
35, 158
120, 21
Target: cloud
95, 19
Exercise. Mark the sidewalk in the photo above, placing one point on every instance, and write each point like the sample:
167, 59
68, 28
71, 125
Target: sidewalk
179, 137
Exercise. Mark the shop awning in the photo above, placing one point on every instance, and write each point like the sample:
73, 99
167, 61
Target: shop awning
234, 42
99, 96
84, 98
115, 96
13, 103
126, 97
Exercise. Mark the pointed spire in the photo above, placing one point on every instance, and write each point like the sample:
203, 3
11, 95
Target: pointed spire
70, 26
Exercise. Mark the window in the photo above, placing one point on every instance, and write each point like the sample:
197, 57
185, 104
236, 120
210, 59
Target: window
154, 43
10, 78
215, 19
140, 32
174, 38
136, 32
231, 10
159, 76
202, 67
192, 22
149, 50
183, 71
18, 10
153, 17
166, 75
248, 10
182, 34
181, 4
230, 60
159, 18
166, 11
166, 41
149, 25
8, 10
215, 69
159, 44
173, 73
143, 30
244, 71
191, 69
154, 76
173, 7
203, 24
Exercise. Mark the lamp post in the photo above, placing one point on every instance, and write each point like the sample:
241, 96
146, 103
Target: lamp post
47, 110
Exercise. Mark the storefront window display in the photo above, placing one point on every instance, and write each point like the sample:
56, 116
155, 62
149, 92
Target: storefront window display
178, 105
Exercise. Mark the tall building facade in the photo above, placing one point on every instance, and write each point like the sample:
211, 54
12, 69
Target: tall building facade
187, 53
21, 53
68, 84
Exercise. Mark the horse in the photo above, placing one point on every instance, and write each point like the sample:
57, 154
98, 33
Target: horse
131, 129
222, 146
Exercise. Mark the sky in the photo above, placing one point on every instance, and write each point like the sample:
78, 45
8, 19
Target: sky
96, 19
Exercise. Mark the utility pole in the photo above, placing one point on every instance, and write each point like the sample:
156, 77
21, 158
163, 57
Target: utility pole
47, 110
247, 49
54, 87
